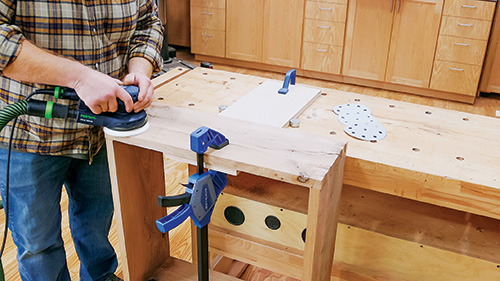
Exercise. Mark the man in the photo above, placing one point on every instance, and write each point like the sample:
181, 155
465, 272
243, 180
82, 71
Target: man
88, 46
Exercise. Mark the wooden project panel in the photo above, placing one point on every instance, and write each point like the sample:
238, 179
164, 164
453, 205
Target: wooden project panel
265, 105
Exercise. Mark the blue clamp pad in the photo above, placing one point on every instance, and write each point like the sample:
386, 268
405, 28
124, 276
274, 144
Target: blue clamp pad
289, 78
205, 137
205, 190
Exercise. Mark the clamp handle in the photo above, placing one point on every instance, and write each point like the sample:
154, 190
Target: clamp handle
172, 201
173, 220
290, 77
206, 189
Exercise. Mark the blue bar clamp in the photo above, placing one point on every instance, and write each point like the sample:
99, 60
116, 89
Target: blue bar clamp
198, 201
202, 189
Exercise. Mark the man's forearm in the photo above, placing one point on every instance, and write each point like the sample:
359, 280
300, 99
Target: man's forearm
140, 65
39, 66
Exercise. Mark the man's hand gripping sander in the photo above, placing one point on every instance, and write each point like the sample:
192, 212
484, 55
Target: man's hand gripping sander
198, 202
118, 123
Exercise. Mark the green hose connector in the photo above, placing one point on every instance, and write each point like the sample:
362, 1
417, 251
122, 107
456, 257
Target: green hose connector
12, 111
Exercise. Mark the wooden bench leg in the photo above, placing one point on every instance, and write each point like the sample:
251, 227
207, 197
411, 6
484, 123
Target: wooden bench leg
322, 219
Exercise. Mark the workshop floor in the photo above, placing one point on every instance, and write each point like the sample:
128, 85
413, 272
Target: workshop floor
488, 106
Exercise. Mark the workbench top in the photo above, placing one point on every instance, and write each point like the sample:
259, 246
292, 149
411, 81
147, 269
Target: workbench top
431, 155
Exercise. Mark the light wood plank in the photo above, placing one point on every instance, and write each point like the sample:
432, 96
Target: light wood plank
258, 149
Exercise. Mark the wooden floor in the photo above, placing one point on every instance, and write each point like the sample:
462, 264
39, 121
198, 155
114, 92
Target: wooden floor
487, 106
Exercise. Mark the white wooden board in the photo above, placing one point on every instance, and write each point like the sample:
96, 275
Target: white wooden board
265, 105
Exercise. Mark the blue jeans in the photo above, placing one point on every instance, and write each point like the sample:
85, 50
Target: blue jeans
36, 183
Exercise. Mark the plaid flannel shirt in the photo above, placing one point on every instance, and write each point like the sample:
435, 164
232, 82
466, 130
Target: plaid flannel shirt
101, 34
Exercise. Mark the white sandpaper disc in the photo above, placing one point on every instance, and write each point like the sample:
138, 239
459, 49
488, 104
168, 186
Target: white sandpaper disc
359, 122
351, 108
123, 134
359, 117
371, 131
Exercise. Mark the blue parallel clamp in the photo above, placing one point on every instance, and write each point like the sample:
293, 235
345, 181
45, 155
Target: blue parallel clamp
289, 78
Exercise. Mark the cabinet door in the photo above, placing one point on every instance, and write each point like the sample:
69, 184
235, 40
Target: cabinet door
282, 32
367, 38
177, 20
244, 29
413, 41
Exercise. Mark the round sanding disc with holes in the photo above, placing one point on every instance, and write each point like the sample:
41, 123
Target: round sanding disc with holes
351, 108
359, 122
372, 131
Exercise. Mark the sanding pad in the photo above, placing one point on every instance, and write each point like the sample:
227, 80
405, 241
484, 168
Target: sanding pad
131, 133
359, 122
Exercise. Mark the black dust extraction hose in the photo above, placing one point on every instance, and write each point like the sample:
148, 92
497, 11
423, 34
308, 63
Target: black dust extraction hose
11, 111
47, 109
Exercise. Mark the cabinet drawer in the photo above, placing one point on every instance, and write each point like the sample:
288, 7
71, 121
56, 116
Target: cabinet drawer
470, 9
455, 77
208, 18
467, 28
218, 4
321, 57
462, 50
208, 42
326, 11
326, 32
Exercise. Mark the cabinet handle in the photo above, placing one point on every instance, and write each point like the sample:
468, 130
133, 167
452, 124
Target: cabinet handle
462, 44
465, 24
469, 6
398, 4
208, 35
325, 9
206, 13
324, 26
456, 69
321, 50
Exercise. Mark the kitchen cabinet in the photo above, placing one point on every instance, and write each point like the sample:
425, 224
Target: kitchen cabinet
490, 79
266, 31
208, 29
463, 38
434, 48
177, 22
323, 40
368, 35
244, 29
392, 40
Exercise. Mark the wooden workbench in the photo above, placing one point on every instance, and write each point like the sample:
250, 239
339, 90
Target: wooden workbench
422, 204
